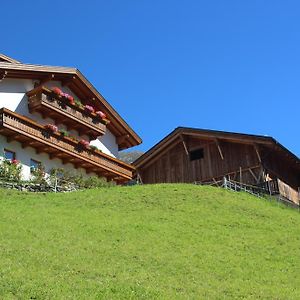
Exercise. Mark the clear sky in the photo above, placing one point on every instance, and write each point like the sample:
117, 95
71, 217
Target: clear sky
225, 65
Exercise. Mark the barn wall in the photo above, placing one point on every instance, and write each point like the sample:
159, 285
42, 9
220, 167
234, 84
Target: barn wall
175, 165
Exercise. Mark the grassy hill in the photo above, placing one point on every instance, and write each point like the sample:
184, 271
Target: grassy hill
147, 242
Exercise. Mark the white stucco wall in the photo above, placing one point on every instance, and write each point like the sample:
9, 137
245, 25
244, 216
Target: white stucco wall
107, 143
24, 156
13, 96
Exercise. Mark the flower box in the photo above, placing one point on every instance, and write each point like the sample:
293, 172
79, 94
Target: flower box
89, 109
83, 143
52, 128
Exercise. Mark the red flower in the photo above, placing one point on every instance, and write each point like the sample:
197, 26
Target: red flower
84, 143
57, 91
51, 127
89, 108
15, 162
70, 98
101, 114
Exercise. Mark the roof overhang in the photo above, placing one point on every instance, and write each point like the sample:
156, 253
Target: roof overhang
179, 132
77, 82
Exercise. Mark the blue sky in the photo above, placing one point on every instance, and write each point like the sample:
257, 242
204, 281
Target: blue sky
225, 65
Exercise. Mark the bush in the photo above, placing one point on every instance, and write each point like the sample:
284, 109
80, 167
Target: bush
38, 175
64, 178
11, 170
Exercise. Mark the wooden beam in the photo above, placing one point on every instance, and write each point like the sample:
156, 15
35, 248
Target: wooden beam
241, 178
53, 155
219, 148
257, 152
261, 173
184, 145
10, 138
68, 81
252, 173
121, 139
26, 144
139, 178
3, 74
39, 150
46, 79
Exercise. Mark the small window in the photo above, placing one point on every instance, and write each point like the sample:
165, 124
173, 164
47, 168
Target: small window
196, 154
10, 155
34, 165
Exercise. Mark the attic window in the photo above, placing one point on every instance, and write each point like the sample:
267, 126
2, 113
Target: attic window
196, 154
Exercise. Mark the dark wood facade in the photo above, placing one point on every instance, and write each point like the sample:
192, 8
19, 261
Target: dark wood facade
193, 155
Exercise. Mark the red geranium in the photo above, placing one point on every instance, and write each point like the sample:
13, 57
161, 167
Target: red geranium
57, 91
84, 143
89, 108
15, 162
70, 98
51, 128
101, 114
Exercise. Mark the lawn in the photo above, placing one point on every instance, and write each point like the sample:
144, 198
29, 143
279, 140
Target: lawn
148, 242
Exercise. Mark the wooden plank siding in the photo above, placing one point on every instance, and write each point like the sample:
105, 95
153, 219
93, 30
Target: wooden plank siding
245, 158
175, 165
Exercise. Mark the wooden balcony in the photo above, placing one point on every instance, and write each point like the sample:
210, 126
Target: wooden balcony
31, 134
45, 102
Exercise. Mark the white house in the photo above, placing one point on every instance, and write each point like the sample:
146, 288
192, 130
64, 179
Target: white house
53, 116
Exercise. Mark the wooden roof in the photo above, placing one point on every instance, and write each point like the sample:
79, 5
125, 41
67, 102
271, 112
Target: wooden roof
76, 81
4, 58
234, 137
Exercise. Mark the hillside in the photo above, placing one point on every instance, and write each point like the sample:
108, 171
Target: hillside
147, 242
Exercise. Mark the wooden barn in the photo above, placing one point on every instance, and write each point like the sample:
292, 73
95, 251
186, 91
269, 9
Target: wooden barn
208, 156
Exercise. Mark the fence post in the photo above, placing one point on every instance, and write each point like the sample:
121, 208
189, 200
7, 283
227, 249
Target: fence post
55, 185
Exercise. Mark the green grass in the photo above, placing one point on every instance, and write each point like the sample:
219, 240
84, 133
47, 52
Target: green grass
147, 242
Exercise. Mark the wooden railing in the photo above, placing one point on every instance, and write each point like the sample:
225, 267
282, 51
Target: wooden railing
34, 131
42, 99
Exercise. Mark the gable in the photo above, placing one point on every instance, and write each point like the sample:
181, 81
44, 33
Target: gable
74, 80
4, 58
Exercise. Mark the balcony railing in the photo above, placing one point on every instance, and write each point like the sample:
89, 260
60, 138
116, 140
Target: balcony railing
48, 104
29, 133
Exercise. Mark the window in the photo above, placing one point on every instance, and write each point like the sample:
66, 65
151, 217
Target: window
196, 154
10, 155
34, 165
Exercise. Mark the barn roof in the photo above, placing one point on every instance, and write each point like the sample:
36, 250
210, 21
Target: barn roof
76, 81
179, 132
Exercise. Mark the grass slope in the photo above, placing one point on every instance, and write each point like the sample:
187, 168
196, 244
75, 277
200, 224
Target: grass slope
160, 241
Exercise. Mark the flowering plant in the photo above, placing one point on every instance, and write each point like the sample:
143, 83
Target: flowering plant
10, 170
84, 143
57, 91
51, 128
69, 98
89, 108
15, 162
100, 114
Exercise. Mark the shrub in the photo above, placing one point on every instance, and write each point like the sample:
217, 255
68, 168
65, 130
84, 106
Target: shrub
38, 174
11, 170
63, 178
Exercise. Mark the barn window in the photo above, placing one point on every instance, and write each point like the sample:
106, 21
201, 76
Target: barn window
196, 154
